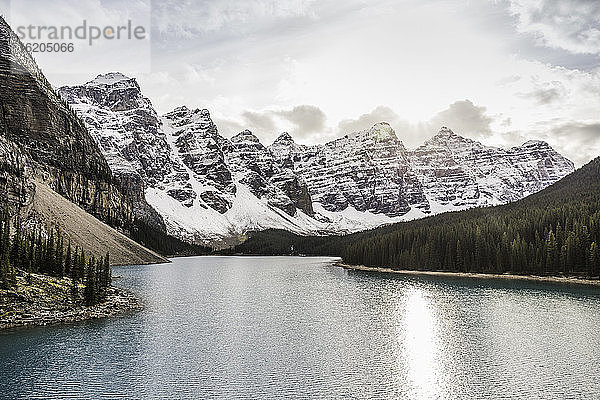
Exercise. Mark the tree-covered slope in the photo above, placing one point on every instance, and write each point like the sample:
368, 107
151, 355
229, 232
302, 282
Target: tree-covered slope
554, 231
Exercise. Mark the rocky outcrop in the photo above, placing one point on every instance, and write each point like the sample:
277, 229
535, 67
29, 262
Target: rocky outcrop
40, 300
44, 134
16, 188
126, 128
52, 170
196, 144
253, 165
457, 172
367, 170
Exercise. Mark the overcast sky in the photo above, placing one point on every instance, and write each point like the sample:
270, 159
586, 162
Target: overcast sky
501, 72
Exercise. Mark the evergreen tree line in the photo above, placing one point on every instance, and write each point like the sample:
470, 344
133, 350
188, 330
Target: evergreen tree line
278, 242
556, 231
553, 241
33, 252
162, 243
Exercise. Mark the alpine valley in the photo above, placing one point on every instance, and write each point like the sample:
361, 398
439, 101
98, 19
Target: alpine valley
212, 190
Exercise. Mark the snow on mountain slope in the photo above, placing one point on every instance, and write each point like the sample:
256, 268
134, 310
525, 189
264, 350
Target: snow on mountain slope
124, 124
459, 173
210, 189
254, 166
194, 143
209, 218
368, 170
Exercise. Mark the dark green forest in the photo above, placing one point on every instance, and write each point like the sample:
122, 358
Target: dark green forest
163, 243
555, 231
28, 252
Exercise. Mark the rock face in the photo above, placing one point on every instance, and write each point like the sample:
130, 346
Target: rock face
125, 126
253, 165
198, 180
53, 171
458, 173
211, 189
367, 170
195, 145
42, 136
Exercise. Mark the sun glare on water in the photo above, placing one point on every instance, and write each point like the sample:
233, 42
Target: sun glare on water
420, 346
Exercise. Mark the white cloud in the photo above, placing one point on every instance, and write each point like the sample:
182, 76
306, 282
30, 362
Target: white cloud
185, 19
302, 121
579, 140
463, 117
87, 58
570, 25
321, 68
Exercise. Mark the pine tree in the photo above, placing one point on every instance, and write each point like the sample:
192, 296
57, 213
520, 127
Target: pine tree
80, 266
58, 255
594, 260
39, 253
106, 274
17, 243
552, 255
89, 292
68, 260
460, 260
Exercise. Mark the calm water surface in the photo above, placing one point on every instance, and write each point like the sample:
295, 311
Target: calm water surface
299, 328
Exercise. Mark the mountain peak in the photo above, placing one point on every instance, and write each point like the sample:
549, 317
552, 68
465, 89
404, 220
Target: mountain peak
185, 110
204, 113
178, 112
382, 130
535, 143
445, 131
245, 135
110, 78
284, 138
445, 136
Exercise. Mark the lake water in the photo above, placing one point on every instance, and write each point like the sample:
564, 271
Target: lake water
300, 328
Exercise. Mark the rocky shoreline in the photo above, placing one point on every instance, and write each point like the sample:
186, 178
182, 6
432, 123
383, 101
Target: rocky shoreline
47, 301
554, 279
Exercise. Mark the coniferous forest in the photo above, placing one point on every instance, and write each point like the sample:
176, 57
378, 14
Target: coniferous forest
26, 252
553, 232
163, 243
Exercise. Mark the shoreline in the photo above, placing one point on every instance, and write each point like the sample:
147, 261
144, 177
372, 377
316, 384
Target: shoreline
477, 275
47, 301
119, 302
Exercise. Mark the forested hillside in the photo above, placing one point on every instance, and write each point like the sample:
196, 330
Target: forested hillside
29, 252
556, 231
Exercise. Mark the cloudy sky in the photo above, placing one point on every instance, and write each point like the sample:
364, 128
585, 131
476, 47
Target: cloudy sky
499, 71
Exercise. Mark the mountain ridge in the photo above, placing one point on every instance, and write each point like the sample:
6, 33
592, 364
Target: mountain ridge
358, 181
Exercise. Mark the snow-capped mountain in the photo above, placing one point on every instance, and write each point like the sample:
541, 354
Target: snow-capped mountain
213, 189
459, 173
367, 170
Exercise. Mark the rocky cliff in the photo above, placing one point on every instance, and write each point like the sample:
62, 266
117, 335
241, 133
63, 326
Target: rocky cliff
458, 173
368, 171
48, 133
43, 142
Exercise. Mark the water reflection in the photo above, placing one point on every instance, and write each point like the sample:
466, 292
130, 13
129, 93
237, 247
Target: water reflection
420, 344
